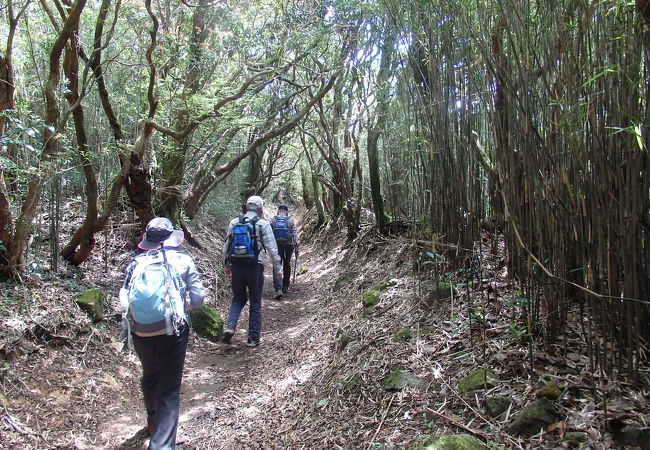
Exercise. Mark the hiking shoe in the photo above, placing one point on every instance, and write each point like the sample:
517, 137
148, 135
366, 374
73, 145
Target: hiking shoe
278, 294
285, 290
252, 342
227, 336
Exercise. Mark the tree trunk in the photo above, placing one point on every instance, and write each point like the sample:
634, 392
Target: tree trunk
643, 6
138, 187
374, 131
17, 247
382, 219
80, 246
84, 237
307, 195
7, 91
173, 164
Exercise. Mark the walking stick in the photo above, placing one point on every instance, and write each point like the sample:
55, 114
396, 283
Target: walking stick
294, 269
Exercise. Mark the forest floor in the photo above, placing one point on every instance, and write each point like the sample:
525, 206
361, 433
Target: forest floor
316, 379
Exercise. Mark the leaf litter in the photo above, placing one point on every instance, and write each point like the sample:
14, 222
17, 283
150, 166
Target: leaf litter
66, 383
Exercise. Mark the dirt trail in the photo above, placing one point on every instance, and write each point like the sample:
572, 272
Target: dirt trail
229, 389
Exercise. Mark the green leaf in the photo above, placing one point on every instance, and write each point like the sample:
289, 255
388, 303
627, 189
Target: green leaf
639, 138
609, 69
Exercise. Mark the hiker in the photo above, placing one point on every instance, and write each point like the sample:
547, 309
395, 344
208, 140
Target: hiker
244, 262
160, 338
288, 240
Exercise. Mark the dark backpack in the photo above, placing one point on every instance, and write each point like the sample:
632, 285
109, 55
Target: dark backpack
243, 248
281, 229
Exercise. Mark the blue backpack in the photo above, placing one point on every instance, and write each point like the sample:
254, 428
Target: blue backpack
243, 241
281, 229
154, 296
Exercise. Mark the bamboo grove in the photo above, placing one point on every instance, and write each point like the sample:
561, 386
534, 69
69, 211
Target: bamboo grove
449, 118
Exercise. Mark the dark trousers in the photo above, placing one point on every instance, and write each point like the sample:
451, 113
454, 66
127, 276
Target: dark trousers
247, 283
286, 252
162, 358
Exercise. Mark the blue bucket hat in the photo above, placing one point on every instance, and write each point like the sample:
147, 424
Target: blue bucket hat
161, 231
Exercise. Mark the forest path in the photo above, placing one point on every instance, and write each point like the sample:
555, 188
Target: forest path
229, 389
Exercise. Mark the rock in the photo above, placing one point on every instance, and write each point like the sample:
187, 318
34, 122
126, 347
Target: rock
409, 333
342, 281
550, 391
207, 323
533, 418
453, 442
399, 379
92, 303
574, 438
476, 380
369, 299
495, 406
441, 290
352, 382
403, 335
343, 338
633, 436
386, 284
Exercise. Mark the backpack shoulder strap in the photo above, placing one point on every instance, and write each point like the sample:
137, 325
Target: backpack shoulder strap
254, 221
259, 241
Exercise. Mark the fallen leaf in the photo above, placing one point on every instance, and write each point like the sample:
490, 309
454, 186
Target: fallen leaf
560, 426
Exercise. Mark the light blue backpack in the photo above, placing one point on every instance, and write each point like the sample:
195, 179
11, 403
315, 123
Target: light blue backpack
154, 296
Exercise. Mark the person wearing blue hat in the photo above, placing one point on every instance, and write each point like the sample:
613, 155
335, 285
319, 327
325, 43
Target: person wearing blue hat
161, 345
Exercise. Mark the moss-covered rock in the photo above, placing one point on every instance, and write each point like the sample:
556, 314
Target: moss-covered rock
207, 323
409, 333
495, 406
343, 338
575, 438
403, 335
386, 284
550, 391
352, 382
441, 290
399, 379
369, 299
92, 303
533, 418
476, 380
453, 442
633, 436
342, 281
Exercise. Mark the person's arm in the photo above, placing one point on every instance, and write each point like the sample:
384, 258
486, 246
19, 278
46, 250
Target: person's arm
129, 273
295, 235
193, 285
224, 251
268, 238
124, 291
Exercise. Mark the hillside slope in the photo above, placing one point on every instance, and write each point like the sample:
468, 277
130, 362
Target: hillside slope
317, 379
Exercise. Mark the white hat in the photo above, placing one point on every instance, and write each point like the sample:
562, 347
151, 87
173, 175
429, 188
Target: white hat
254, 203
